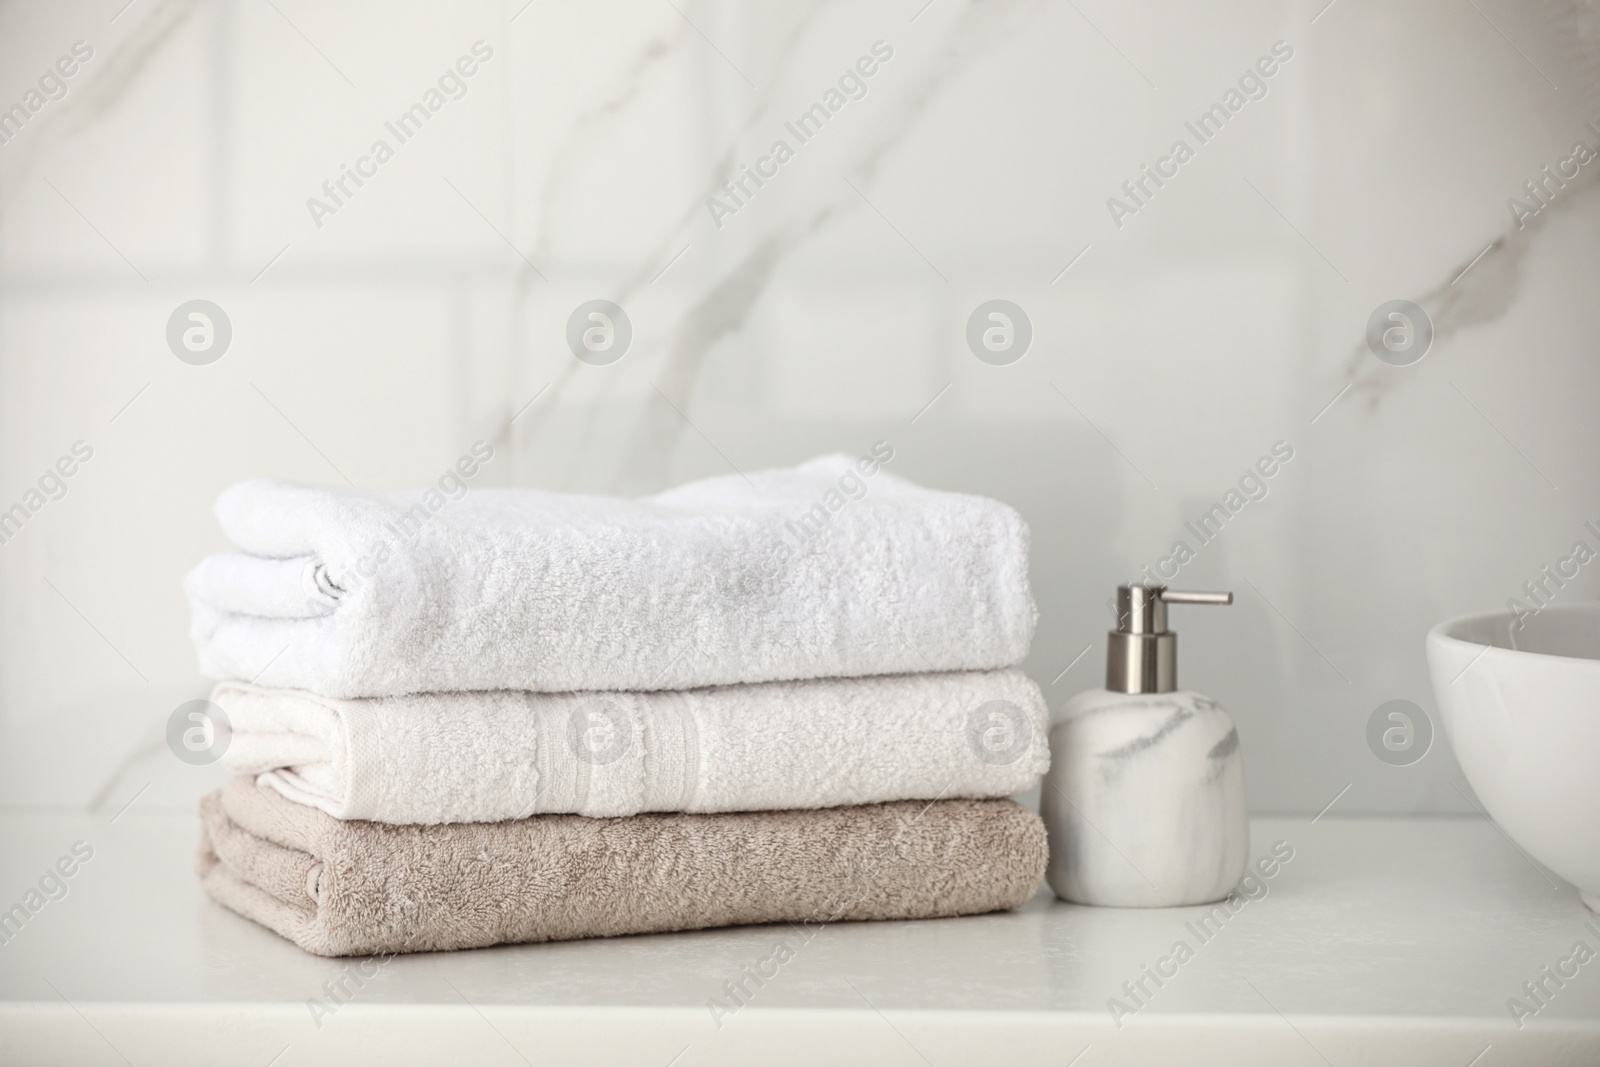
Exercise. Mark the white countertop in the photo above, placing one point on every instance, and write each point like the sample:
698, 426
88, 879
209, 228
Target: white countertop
1383, 941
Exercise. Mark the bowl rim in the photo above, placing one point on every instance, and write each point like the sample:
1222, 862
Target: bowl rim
1437, 634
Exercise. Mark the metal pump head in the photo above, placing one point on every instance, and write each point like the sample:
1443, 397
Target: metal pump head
1142, 654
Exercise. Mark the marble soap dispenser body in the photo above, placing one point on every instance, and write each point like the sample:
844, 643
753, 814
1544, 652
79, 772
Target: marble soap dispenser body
1145, 799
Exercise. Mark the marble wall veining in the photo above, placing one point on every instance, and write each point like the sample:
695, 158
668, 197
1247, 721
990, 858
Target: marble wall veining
1183, 326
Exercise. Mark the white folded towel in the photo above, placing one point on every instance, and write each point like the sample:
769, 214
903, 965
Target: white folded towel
832, 569
485, 757
298, 587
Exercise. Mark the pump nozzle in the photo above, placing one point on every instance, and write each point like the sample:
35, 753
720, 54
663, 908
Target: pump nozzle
1142, 654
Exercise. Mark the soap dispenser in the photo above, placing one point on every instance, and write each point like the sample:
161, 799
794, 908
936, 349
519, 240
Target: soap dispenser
1144, 801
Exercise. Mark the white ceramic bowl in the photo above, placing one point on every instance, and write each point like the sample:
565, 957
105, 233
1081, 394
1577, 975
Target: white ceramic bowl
1522, 708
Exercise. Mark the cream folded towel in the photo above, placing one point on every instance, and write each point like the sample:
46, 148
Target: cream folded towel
340, 888
832, 569
483, 757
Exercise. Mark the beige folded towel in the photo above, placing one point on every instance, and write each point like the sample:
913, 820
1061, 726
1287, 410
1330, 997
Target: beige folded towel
355, 888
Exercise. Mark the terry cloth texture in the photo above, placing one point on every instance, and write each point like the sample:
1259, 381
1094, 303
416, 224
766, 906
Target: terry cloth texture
344, 888
820, 571
484, 757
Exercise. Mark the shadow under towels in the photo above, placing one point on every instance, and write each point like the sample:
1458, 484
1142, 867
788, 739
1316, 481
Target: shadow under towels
835, 568
343, 888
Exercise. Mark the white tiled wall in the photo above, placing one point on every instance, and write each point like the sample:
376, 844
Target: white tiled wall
827, 313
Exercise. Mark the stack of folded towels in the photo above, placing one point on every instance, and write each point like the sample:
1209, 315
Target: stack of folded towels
489, 716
